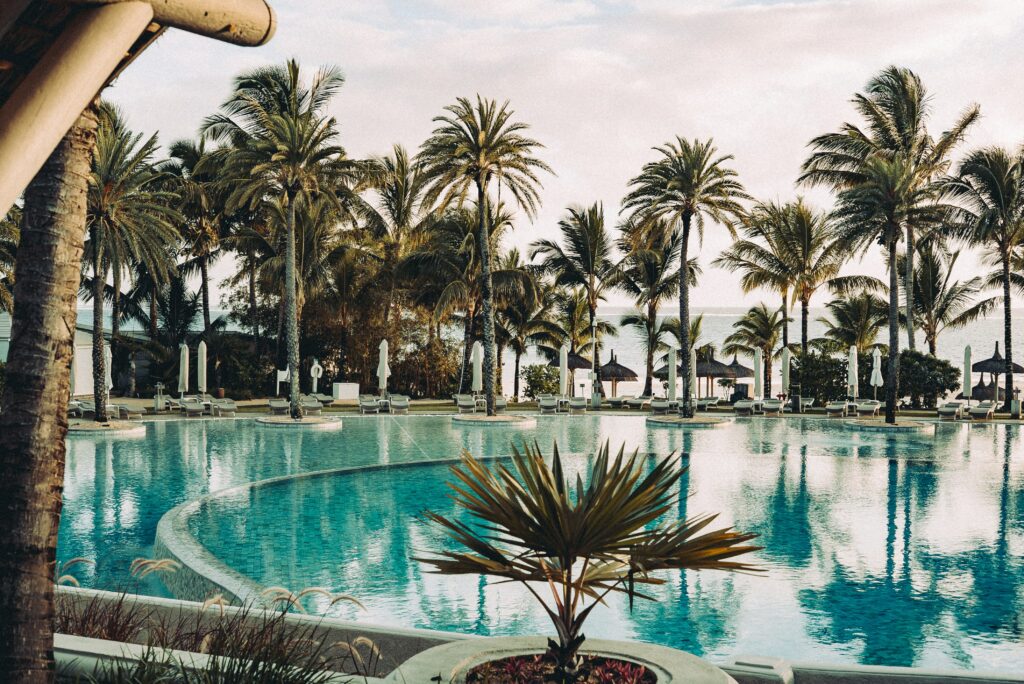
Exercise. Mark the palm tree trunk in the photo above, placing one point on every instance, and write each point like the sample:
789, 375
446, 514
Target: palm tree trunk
115, 320
253, 320
893, 374
204, 272
1007, 330
153, 330
291, 314
467, 340
499, 369
99, 372
932, 343
686, 408
34, 422
909, 288
785, 319
486, 289
516, 381
805, 313
652, 342
767, 372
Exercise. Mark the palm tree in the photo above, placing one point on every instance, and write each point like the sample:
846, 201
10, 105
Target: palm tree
33, 424
688, 183
8, 247
855, 321
759, 328
286, 149
895, 110
472, 146
989, 189
527, 321
130, 220
586, 260
941, 303
571, 314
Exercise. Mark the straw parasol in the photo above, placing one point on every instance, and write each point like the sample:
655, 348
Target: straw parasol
996, 366
983, 391
739, 370
574, 361
615, 372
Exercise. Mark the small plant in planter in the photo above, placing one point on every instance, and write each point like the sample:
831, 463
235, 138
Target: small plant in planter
571, 544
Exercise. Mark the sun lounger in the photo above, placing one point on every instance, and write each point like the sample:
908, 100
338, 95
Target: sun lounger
772, 407
836, 409
368, 404
868, 407
659, 405
399, 403
224, 408
951, 410
325, 399
983, 411
547, 403
806, 403
578, 405
279, 407
193, 406
638, 402
126, 412
500, 403
309, 405
617, 402
81, 409
466, 403
706, 403
748, 407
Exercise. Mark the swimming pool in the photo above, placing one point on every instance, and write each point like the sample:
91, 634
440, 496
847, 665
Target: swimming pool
903, 550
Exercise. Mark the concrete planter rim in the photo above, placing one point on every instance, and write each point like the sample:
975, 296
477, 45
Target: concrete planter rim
455, 660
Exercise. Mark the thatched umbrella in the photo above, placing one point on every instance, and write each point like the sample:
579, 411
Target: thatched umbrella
982, 391
739, 370
575, 363
616, 372
996, 366
712, 368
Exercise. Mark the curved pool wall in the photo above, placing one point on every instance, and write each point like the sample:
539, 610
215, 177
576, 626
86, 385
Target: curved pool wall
877, 522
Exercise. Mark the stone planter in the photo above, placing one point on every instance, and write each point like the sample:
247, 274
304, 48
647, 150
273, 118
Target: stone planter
452, 662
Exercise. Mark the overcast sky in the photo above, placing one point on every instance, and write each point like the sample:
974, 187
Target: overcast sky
601, 82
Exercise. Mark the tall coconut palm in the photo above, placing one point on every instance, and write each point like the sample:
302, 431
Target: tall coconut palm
9, 233
688, 184
33, 424
585, 258
759, 328
855, 321
895, 108
284, 148
940, 302
989, 190
527, 321
472, 146
130, 220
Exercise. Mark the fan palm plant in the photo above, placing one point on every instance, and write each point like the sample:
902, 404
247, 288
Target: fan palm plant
855, 321
759, 328
585, 259
989, 191
689, 183
130, 220
583, 541
895, 108
472, 146
940, 302
284, 148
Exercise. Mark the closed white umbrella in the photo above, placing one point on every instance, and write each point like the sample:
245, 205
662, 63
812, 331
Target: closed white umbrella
671, 374
108, 361
201, 368
851, 373
316, 371
785, 371
478, 367
183, 370
383, 369
876, 369
758, 373
968, 381
563, 371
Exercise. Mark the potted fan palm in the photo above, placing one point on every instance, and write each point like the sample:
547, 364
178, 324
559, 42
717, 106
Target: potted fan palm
572, 544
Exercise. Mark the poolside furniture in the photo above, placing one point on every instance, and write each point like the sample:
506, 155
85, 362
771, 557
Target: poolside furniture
952, 410
466, 403
309, 405
578, 405
126, 412
193, 406
836, 409
748, 407
547, 403
806, 403
325, 399
617, 402
983, 411
868, 407
707, 403
224, 408
368, 404
399, 403
279, 407
659, 405
772, 407
638, 402
500, 403
81, 408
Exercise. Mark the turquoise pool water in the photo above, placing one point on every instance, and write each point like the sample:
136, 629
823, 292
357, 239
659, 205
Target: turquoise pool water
879, 550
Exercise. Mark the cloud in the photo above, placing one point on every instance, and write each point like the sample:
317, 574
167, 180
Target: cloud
601, 82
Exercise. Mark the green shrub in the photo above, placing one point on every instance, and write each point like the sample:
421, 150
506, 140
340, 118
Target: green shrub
925, 378
540, 379
819, 376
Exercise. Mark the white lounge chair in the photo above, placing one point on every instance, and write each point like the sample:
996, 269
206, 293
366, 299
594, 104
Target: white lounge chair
951, 410
772, 407
748, 407
547, 403
868, 407
617, 402
806, 403
659, 405
325, 399
706, 403
638, 402
224, 408
193, 406
399, 403
837, 409
578, 405
368, 404
466, 403
983, 411
279, 407
500, 403
310, 406
126, 412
